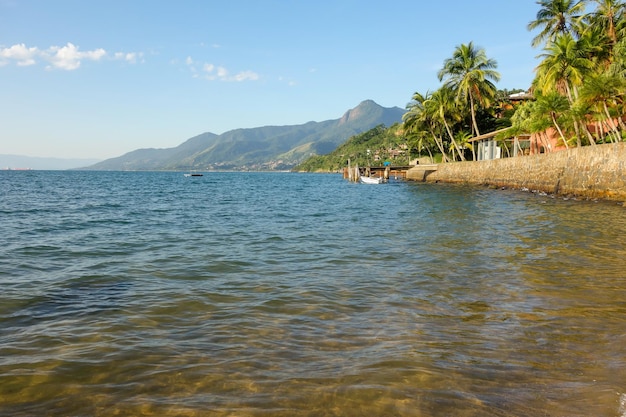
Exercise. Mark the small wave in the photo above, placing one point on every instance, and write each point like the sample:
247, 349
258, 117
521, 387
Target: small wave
622, 405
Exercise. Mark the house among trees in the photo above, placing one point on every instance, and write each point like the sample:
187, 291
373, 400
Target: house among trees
578, 96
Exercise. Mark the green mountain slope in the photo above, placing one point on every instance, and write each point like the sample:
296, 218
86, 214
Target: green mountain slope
371, 148
261, 148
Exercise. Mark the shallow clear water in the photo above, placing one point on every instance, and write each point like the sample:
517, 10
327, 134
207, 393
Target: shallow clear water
276, 294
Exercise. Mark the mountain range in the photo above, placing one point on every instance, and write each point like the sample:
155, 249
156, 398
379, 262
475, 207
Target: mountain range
260, 148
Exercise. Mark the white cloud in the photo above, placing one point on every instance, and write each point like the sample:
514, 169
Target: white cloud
20, 53
68, 57
130, 57
212, 72
222, 72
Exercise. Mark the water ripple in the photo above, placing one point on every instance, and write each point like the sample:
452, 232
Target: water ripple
286, 295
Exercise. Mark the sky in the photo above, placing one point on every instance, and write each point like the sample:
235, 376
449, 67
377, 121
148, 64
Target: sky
98, 79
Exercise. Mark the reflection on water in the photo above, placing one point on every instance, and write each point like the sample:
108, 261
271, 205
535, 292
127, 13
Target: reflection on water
304, 295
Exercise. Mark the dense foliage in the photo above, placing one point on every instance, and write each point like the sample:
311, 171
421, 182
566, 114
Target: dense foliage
371, 148
578, 90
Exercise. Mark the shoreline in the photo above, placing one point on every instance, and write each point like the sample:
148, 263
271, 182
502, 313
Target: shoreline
591, 172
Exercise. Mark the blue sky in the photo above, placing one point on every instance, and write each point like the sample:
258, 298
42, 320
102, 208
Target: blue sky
97, 79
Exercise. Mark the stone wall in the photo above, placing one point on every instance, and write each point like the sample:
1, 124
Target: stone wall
590, 172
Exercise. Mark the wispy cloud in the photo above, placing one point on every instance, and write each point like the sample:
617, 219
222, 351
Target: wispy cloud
290, 83
68, 57
213, 72
130, 57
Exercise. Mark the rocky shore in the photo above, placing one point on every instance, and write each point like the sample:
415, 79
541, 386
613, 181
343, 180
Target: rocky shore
592, 172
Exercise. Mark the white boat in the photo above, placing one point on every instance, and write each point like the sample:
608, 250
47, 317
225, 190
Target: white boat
193, 173
371, 180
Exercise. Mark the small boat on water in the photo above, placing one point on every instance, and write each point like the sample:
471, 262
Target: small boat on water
193, 173
371, 180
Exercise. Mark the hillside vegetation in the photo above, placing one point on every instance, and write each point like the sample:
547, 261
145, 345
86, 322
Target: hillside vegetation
384, 145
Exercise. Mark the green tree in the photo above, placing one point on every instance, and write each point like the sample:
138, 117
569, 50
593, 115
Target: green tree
564, 67
604, 93
556, 18
566, 63
607, 17
463, 139
441, 107
528, 119
554, 105
470, 73
419, 117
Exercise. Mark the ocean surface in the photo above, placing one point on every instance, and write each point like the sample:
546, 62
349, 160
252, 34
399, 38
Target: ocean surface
283, 294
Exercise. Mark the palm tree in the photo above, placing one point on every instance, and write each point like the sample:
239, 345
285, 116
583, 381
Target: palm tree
528, 119
554, 105
607, 16
582, 110
441, 105
604, 92
555, 18
470, 73
420, 141
564, 67
463, 139
419, 118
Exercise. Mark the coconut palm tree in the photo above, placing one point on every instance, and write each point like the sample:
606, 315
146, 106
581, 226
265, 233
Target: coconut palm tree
607, 17
529, 120
566, 63
564, 67
463, 139
604, 92
441, 106
470, 74
555, 18
554, 105
420, 118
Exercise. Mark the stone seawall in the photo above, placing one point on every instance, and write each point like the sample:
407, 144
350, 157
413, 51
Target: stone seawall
590, 172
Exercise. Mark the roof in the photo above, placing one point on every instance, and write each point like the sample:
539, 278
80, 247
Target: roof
521, 96
488, 135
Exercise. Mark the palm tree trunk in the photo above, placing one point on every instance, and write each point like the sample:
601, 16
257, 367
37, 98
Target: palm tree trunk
473, 111
621, 123
611, 122
592, 141
430, 154
558, 129
456, 146
440, 146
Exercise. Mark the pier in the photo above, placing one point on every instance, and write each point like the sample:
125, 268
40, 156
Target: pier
386, 172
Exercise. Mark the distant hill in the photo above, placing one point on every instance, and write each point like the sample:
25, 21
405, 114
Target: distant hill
261, 148
30, 162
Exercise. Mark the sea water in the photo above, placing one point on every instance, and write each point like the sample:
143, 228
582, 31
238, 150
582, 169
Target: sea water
283, 294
